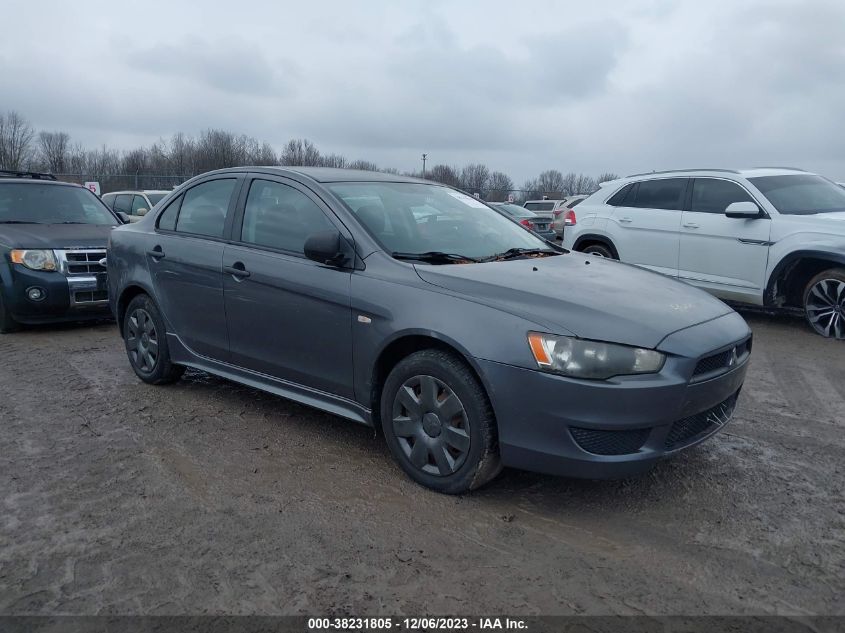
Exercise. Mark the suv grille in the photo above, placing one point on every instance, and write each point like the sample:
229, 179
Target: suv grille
723, 360
84, 262
610, 442
691, 428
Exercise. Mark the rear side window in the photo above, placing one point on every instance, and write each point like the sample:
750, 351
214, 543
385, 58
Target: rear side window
665, 193
108, 200
123, 203
203, 210
167, 220
618, 198
281, 217
710, 195
139, 203
576, 202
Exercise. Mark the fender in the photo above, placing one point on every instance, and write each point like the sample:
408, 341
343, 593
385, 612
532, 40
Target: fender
791, 258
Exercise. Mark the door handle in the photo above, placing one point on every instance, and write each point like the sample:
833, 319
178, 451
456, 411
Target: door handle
626, 220
237, 270
156, 253
691, 225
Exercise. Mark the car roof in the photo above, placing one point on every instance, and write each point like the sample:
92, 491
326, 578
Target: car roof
36, 181
138, 191
328, 174
546, 200
706, 171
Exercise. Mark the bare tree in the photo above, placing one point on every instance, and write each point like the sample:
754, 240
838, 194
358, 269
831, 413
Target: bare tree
334, 160
363, 164
584, 184
53, 151
550, 182
300, 152
474, 177
499, 185
444, 174
16, 136
606, 177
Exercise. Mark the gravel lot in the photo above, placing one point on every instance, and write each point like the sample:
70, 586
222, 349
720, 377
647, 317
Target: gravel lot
208, 497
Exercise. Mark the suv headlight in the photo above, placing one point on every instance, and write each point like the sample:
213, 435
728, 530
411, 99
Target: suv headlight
35, 259
592, 360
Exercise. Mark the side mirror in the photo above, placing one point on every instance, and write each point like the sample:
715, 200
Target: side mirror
327, 247
142, 211
746, 210
123, 217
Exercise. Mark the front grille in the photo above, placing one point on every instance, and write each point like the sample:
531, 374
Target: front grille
689, 429
84, 262
610, 442
90, 296
723, 361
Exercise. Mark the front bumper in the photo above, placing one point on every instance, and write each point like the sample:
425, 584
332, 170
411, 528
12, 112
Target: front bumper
72, 298
548, 422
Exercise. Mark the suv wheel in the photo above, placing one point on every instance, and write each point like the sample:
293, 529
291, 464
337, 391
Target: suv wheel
824, 303
599, 250
439, 424
146, 343
7, 323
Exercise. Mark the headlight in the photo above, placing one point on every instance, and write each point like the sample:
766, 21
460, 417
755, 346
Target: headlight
591, 360
35, 259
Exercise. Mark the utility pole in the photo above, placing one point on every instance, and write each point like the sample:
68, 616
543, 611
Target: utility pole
424, 156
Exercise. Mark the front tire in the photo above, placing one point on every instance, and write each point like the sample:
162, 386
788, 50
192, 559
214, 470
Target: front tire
439, 424
146, 343
824, 303
599, 250
7, 323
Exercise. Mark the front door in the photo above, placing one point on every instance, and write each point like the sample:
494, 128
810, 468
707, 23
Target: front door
725, 255
288, 317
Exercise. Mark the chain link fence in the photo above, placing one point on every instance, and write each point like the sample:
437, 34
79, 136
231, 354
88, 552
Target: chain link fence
126, 182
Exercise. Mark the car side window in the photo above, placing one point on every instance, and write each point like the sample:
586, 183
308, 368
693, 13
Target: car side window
281, 217
663, 193
123, 203
618, 198
712, 195
167, 219
204, 207
138, 202
108, 200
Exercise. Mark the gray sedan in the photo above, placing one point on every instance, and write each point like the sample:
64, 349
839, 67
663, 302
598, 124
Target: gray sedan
411, 307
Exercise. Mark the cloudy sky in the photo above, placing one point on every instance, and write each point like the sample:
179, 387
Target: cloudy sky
522, 86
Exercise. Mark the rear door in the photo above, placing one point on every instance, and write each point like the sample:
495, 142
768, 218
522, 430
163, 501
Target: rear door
288, 316
645, 228
186, 262
726, 255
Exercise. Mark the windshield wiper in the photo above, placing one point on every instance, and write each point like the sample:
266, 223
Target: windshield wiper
435, 257
520, 252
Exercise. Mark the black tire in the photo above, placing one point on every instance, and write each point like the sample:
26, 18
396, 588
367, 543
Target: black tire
7, 323
461, 449
146, 343
599, 250
824, 303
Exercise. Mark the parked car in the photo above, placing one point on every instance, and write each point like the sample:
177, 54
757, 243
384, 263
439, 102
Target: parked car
770, 237
469, 341
540, 225
545, 208
52, 250
135, 204
565, 216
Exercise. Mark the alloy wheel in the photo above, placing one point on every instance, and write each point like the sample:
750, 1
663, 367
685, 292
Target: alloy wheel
825, 307
142, 340
431, 425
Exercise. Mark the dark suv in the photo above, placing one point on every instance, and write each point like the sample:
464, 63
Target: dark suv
415, 308
53, 239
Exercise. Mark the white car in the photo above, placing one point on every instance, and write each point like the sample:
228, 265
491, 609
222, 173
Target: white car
135, 204
769, 236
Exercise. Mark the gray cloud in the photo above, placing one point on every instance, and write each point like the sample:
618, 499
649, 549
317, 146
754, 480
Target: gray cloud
522, 87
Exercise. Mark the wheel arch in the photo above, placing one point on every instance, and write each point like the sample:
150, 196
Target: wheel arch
595, 238
128, 293
786, 282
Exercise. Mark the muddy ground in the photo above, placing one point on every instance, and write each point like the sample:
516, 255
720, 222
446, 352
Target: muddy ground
209, 497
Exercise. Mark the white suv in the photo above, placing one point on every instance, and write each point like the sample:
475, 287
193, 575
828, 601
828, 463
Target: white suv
770, 236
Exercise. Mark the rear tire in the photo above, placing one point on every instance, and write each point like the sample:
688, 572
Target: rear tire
824, 303
7, 323
145, 338
598, 250
439, 423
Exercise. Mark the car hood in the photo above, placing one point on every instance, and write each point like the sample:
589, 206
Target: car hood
587, 296
54, 235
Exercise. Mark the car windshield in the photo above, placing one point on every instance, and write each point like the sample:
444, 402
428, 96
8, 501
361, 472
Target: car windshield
155, 198
410, 218
801, 194
51, 204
